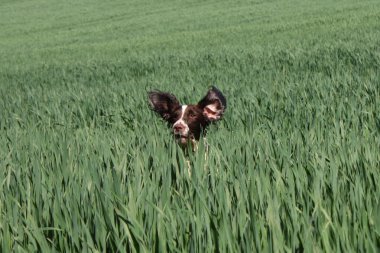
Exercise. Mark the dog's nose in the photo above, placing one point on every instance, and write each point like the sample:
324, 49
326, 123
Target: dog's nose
178, 127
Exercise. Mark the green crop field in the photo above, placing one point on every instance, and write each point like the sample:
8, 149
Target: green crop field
86, 166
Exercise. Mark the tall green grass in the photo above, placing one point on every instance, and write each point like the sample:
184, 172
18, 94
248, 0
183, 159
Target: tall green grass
85, 166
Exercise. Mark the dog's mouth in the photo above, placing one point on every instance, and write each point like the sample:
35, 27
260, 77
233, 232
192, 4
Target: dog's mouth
183, 139
181, 136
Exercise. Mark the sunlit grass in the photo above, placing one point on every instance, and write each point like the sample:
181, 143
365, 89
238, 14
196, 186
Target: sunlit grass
85, 166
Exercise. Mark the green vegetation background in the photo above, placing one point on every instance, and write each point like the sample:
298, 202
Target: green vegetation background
85, 166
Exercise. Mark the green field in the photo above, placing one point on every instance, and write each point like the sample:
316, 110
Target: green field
85, 166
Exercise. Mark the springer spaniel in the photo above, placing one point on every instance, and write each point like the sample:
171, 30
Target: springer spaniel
188, 121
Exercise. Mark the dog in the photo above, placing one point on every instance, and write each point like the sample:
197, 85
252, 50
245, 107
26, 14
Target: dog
188, 122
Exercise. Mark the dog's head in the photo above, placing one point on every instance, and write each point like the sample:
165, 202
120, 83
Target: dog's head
188, 121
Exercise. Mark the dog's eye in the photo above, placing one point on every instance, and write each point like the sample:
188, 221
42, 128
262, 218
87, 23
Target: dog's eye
191, 115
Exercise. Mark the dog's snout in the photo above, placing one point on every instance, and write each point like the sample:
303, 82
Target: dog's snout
178, 127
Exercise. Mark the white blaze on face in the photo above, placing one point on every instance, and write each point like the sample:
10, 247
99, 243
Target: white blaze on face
181, 122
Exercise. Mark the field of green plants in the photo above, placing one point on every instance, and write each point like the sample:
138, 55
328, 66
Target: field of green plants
294, 166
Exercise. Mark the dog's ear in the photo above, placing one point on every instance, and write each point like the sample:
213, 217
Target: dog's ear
213, 104
163, 103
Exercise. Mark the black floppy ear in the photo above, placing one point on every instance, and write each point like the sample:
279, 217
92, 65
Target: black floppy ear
213, 104
163, 103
